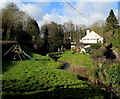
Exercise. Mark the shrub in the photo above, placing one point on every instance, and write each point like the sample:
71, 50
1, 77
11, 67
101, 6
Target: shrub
96, 46
98, 52
106, 74
112, 76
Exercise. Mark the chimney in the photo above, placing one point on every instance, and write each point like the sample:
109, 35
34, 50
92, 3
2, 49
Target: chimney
88, 32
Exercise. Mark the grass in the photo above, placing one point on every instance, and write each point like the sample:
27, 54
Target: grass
30, 79
77, 58
42, 61
82, 65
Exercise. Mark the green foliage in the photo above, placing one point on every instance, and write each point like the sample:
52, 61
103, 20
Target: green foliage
32, 29
111, 22
102, 72
55, 54
112, 76
112, 30
106, 74
16, 26
98, 52
53, 36
115, 39
37, 79
46, 45
76, 59
95, 46
11, 22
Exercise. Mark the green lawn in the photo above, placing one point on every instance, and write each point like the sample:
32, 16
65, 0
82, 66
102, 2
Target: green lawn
41, 61
77, 58
42, 79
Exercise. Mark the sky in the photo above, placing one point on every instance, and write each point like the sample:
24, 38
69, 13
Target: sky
45, 11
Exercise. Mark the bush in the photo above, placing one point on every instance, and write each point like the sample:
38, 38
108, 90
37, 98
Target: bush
112, 73
106, 74
95, 46
98, 52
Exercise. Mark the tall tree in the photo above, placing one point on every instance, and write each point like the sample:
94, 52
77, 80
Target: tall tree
17, 25
111, 22
32, 33
11, 20
44, 31
53, 35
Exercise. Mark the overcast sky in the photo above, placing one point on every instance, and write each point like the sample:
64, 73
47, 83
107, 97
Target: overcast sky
61, 12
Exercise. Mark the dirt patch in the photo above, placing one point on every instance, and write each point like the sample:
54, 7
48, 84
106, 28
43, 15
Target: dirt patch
79, 70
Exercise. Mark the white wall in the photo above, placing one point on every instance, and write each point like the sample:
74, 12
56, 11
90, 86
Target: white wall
89, 40
92, 37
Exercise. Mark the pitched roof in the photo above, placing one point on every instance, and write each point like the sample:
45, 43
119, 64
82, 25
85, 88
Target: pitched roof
92, 35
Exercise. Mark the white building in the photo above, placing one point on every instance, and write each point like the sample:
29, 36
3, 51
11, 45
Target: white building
91, 38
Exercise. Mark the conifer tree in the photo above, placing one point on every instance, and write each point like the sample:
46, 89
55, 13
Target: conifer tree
111, 22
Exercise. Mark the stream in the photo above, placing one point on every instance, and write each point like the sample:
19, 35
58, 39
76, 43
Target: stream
110, 92
65, 66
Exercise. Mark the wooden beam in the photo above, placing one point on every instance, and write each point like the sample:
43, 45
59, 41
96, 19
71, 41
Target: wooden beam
8, 42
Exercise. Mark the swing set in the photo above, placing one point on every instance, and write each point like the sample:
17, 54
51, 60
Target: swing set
16, 49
